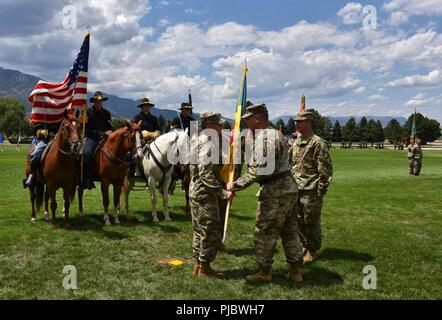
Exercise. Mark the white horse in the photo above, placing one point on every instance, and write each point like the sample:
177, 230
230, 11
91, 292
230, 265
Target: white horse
156, 160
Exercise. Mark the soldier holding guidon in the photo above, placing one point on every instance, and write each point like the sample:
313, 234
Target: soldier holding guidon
275, 216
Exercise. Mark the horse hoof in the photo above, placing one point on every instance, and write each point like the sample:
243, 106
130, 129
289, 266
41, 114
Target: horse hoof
116, 221
67, 226
33, 220
46, 216
107, 223
167, 219
54, 225
81, 214
155, 220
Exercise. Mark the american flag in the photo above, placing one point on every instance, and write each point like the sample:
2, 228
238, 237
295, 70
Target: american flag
49, 100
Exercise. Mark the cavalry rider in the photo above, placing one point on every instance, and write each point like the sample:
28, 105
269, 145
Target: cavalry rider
150, 129
43, 132
99, 124
185, 116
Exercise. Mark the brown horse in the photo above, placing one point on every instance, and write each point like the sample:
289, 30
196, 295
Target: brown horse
110, 165
58, 170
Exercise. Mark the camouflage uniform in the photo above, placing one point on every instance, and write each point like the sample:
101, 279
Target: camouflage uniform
207, 196
275, 216
312, 169
415, 158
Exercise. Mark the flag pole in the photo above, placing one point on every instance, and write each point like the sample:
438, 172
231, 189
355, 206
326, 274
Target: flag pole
83, 116
236, 133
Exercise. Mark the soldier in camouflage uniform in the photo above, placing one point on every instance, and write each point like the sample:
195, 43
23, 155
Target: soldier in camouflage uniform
312, 169
415, 156
275, 216
206, 197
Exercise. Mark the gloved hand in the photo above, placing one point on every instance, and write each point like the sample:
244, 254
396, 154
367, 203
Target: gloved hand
42, 133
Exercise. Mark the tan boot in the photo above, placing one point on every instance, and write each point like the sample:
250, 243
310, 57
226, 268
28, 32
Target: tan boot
207, 271
262, 275
196, 268
309, 256
295, 274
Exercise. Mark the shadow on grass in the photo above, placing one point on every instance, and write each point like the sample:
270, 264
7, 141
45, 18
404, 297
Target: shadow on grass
93, 223
242, 218
344, 254
313, 277
242, 252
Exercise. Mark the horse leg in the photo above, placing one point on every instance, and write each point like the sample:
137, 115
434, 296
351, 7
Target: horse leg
66, 196
52, 195
105, 194
32, 197
128, 185
165, 192
46, 214
117, 194
153, 199
80, 201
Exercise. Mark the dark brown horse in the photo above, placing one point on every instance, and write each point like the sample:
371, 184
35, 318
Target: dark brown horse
58, 170
110, 165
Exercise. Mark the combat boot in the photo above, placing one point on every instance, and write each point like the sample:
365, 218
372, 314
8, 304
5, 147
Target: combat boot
196, 268
295, 273
207, 271
309, 256
264, 274
31, 178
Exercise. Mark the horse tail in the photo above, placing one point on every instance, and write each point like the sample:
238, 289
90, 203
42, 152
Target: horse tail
39, 195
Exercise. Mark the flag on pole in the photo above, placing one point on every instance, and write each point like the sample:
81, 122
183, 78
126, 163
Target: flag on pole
49, 100
413, 129
228, 171
302, 108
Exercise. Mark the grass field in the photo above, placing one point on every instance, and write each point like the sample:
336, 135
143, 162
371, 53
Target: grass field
374, 214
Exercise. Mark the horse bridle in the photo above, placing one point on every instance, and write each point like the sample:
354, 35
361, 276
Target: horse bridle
114, 159
71, 144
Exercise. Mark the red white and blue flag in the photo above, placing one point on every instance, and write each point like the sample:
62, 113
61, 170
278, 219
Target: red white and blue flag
49, 100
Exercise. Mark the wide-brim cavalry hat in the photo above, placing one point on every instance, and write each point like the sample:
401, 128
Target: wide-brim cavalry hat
185, 106
145, 102
211, 118
255, 109
98, 96
303, 116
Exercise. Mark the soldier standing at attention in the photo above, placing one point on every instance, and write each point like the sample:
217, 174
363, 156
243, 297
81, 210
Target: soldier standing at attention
312, 169
99, 124
415, 156
275, 216
206, 196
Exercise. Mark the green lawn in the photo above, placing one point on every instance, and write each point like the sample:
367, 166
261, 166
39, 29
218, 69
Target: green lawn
375, 214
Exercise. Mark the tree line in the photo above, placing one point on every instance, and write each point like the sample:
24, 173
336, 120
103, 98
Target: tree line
14, 121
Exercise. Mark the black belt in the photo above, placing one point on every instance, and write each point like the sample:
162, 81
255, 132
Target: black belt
276, 177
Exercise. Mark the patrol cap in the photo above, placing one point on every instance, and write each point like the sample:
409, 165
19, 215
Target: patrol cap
211, 118
255, 109
145, 102
98, 96
302, 116
186, 106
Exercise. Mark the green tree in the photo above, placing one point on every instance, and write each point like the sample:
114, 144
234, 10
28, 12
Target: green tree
428, 130
118, 123
394, 132
291, 126
379, 132
162, 123
13, 117
349, 132
321, 125
362, 129
337, 132
280, 125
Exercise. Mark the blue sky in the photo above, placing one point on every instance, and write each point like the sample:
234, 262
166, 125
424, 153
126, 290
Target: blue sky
318, 48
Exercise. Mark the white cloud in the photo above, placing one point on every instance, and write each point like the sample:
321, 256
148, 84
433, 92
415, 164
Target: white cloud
361, 89
434, 78
413, 7
376, 97
398, 17
420, 100
351, 13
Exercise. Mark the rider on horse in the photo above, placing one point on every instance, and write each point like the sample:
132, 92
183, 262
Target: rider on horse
43, 132
99, 123
185, 117
150, 129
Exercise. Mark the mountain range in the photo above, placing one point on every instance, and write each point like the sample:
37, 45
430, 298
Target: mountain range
19, 85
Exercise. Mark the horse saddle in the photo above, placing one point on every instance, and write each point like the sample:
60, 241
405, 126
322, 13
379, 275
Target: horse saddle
45, 152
